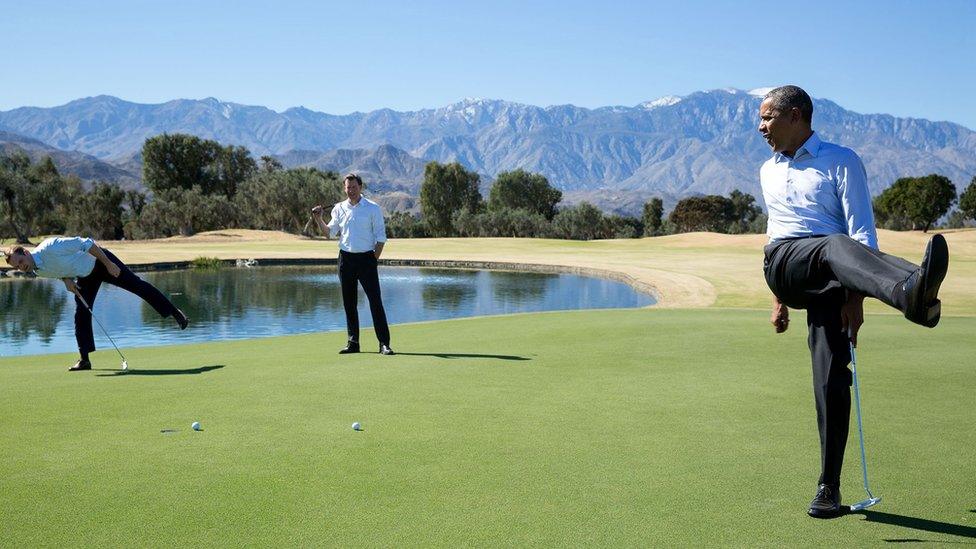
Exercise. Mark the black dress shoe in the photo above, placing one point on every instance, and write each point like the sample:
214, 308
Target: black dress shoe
81, 365
922, 287
826, 504
350, 347
181, 319
385, 349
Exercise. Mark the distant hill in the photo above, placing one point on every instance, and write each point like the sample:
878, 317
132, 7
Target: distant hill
85, 167
385, 168
702, 143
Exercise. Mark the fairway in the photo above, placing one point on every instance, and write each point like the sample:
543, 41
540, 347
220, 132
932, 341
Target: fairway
611, 428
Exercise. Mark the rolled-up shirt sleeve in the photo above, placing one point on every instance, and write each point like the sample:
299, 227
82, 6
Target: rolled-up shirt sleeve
86, 244
379, 225
855, 199
334, 220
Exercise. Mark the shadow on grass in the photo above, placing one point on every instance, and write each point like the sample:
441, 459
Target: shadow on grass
466, 355
138, 372
918, 524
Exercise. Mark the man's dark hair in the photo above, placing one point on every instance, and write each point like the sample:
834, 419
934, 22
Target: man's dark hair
786, 98
16, 250
354, 177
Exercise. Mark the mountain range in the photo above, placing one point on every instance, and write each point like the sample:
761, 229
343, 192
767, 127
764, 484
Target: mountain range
702, 143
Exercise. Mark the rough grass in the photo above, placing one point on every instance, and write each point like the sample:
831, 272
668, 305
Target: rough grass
599, 428
689, 270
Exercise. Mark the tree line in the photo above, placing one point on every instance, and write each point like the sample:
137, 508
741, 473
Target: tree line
198, 185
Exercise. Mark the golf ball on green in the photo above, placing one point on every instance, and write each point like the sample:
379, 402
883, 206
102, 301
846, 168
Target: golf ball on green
357, 427
195, 426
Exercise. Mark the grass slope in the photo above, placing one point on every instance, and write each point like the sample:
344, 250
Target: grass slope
613, 428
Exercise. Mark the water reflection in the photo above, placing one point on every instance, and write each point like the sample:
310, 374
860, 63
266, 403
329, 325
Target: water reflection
32, 310
240, 303
452, 292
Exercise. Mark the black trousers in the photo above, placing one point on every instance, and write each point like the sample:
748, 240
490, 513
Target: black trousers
127, 280
361, 269
815, 273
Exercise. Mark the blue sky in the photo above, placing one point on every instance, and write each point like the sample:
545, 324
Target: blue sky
906, 58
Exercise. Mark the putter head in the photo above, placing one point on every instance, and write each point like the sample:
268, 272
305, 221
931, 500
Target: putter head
125, 365
865, 504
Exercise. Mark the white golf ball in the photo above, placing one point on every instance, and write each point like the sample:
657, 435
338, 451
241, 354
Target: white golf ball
357, 427
195, 425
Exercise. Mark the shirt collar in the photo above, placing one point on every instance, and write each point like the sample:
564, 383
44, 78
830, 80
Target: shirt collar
811, 146
38, 262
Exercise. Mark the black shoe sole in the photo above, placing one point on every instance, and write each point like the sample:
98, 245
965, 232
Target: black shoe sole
936, 264
927, 309
826, 514
348, 351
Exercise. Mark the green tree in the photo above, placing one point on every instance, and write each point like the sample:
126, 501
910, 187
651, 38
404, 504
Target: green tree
581, 222
446, 189
622, 226
405, 225
967, 201
96, 213
179, 161
270, 163
526, 191
744, 212
184, 212
234, 166
31, 197
653, 217
503, 222
282, 200
710, 213
919, 201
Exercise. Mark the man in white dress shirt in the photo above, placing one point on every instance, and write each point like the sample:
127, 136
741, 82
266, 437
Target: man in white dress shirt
83, 266
362, 235
823, 256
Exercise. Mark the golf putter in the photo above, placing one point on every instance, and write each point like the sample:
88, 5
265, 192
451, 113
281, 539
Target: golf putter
125, 363
871, 500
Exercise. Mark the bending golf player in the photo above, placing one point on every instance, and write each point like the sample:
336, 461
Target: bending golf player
823, 257
71, 258
358, 223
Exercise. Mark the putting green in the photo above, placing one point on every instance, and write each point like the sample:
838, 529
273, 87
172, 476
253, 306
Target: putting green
611, 428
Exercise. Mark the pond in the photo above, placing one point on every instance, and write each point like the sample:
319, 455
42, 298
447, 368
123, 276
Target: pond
37, 315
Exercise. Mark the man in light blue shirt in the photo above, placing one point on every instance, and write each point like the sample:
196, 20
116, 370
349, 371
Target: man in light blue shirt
83, 265
359, 224
823, 256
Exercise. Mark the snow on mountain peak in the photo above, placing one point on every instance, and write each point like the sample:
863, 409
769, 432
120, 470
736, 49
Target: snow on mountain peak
665, 101
761, 92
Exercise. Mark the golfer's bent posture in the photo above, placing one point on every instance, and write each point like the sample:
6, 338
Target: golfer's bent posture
71, 258
362, 235
823, 257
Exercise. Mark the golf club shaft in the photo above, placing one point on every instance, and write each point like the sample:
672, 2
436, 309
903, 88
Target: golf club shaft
860, 427
104, 331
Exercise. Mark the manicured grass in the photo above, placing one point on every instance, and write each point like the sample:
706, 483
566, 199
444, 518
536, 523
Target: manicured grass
613, 428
